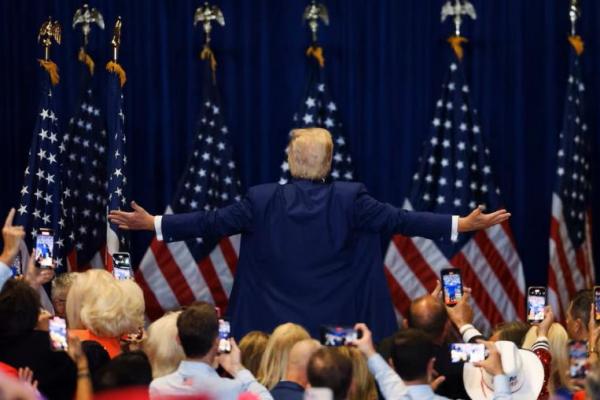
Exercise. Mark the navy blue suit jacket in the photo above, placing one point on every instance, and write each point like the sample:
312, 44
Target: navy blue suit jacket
310, 253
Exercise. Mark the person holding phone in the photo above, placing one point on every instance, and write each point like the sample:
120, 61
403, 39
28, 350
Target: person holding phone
11, 237
308, 236
412, 374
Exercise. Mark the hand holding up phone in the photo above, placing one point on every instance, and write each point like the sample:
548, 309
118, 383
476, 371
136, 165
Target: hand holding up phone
11, 237
547, 322
493, 363
364, 342
232, 361
462, 313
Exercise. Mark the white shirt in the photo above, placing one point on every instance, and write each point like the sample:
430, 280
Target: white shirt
195, 377
393, 387
5, 274
159, 235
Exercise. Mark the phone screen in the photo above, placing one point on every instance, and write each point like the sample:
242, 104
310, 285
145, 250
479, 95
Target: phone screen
58, 334
44, 248
338, 335
452, 285
224, 335
578, 358
122, 266
536, 301
597, 303
467, 352
16, 267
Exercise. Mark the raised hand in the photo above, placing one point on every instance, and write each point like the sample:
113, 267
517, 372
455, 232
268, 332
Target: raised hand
477, 220
11, 236
137, 220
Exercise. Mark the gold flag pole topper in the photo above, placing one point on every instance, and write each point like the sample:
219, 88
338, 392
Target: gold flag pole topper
457, 10
48, 31
312, 14
85, 17
113, 66
206, 15
574, 38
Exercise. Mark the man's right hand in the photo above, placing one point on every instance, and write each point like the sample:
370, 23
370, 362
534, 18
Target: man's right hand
493, 363
137, 220
12, 236
365, 343
462, 313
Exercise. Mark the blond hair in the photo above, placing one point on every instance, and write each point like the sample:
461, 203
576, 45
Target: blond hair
363, 387
62, 283
86, 285
558, 338
161, 346
252, 347
105, 306
274, 361
309, 153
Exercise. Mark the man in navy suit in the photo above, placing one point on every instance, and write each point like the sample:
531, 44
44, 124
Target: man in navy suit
310, 251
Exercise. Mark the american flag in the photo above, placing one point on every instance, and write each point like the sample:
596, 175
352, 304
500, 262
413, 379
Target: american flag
116, 240
39, 206
176, 274
571, 266
455, 176
83, 153
319, 110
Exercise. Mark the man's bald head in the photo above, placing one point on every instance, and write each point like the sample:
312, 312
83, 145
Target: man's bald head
298, 361
429, 315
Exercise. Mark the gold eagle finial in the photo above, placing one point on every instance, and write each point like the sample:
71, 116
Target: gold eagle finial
48, 31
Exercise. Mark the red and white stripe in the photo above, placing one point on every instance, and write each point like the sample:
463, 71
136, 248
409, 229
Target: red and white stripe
489, 264
569, 269
170, 277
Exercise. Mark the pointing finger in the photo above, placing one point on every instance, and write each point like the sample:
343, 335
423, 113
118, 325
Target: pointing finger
9, 218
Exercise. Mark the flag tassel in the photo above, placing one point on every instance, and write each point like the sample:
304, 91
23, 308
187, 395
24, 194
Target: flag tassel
52, 71
115, 68
577, 43
317, 53
456, 43
87, 60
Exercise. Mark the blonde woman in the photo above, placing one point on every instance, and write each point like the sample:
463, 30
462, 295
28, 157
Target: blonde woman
161, 345
275, 359
558, 339
363, 384
108, 308
253, 346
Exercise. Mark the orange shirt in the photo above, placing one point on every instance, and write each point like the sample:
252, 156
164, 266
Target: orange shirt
111, 345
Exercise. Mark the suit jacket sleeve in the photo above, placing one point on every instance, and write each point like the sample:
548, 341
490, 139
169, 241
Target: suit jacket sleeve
226, 221
375, 216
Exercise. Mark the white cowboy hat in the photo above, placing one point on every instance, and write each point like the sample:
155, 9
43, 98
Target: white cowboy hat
523, 368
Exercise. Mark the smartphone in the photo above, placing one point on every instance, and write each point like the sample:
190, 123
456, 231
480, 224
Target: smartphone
318, 393
16, 266
224, 335
467, 352
58, 334
536, 301
44, 248
338, 335
122, 266
452, 286
578, 351
597, 303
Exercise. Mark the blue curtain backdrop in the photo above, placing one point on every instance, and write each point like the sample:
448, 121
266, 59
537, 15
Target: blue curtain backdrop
384, 61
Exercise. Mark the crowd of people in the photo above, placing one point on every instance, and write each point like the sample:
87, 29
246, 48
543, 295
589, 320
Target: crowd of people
111, 355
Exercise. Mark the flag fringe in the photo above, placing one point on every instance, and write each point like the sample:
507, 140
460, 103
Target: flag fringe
115, 68
87, 60
52, 71
207, 54
456, 43
577, 44
317, 53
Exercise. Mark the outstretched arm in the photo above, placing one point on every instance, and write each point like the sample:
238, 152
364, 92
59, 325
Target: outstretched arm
373, 215
229, 220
